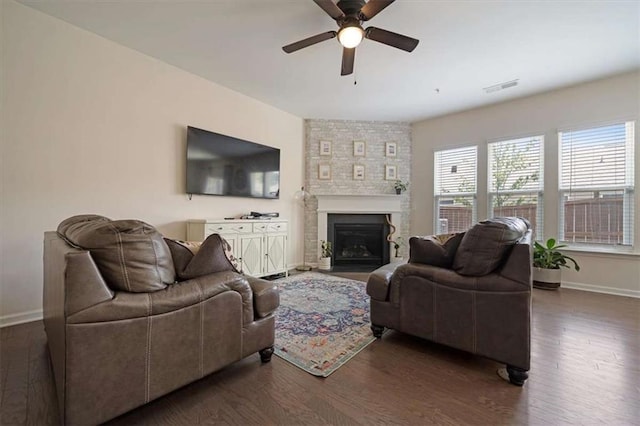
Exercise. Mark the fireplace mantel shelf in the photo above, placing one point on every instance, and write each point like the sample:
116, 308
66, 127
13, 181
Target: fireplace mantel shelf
359, 203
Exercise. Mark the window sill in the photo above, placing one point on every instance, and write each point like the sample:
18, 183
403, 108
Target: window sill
601, 251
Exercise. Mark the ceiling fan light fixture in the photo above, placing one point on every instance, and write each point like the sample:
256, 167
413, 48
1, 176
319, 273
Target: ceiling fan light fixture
350, 36
349, 15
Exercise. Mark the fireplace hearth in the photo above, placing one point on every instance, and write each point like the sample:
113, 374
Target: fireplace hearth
359, 241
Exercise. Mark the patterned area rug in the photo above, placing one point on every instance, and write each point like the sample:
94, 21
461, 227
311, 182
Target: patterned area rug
322, 321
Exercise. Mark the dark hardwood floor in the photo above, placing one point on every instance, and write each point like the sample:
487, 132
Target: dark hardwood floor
585, 370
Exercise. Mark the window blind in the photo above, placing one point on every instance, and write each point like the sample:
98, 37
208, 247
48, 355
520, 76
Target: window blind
597, 184
455, 171
455, 186
516, 179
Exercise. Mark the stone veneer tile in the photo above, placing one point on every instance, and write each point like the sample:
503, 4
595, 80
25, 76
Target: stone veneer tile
342, 134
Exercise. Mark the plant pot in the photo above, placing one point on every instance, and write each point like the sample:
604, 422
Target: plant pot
324, 264
398, 191
547, 279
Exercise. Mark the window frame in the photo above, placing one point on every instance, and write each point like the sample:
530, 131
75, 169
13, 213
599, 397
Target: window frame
628, 190
437, 197
538, 193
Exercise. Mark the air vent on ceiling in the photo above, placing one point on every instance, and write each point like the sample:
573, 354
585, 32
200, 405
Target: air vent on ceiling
501, 86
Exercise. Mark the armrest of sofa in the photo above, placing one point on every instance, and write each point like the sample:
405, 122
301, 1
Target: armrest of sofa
84, 284
380, 280
72, 280
266, 296
493, 282
518, 266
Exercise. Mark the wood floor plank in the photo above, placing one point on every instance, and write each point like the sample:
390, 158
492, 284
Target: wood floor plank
14, 408
585, 370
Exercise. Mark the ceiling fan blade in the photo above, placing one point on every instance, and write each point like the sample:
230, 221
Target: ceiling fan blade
391, 39
373, 7
330, 8
348, 58
290, 48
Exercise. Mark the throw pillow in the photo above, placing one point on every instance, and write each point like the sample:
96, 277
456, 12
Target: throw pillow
435, 250
484, 247
229, 253
192, 246
194, 260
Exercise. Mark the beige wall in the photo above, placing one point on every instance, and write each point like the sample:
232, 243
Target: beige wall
93, 127
603, 101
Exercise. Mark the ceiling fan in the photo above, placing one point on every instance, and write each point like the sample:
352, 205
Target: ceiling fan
349, 15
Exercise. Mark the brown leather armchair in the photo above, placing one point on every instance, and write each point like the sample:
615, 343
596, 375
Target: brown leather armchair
130, 317
470, 291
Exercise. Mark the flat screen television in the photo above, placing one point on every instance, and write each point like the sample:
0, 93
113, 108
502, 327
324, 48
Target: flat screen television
223, 165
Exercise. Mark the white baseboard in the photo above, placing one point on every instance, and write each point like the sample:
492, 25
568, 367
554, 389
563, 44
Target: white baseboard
601, 289
15, 319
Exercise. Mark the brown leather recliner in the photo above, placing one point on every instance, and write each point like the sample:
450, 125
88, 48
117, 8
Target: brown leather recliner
470, 291
130, 317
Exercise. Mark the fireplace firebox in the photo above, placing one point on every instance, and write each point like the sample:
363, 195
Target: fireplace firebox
359, 241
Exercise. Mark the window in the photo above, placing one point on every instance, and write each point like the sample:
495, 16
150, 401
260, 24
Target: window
597, 185
516, 180
455, 189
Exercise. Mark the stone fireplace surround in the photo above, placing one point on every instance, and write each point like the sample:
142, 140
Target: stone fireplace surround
358, 204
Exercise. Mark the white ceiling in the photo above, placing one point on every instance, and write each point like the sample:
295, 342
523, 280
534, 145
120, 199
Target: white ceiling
464, 46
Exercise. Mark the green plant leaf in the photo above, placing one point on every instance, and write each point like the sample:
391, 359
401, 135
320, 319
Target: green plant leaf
547, 256
575, 264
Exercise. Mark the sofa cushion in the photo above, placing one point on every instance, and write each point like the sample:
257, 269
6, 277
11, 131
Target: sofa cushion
74, 223
484, 247
210, 256
125, 305
130, 254
435, 250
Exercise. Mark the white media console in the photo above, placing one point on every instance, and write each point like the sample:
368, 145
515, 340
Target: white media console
259, 245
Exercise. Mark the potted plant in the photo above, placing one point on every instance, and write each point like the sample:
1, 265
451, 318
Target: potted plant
400, 186
547, 261
325, 255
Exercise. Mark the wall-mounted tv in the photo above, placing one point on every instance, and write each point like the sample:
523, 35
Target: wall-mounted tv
223, 165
